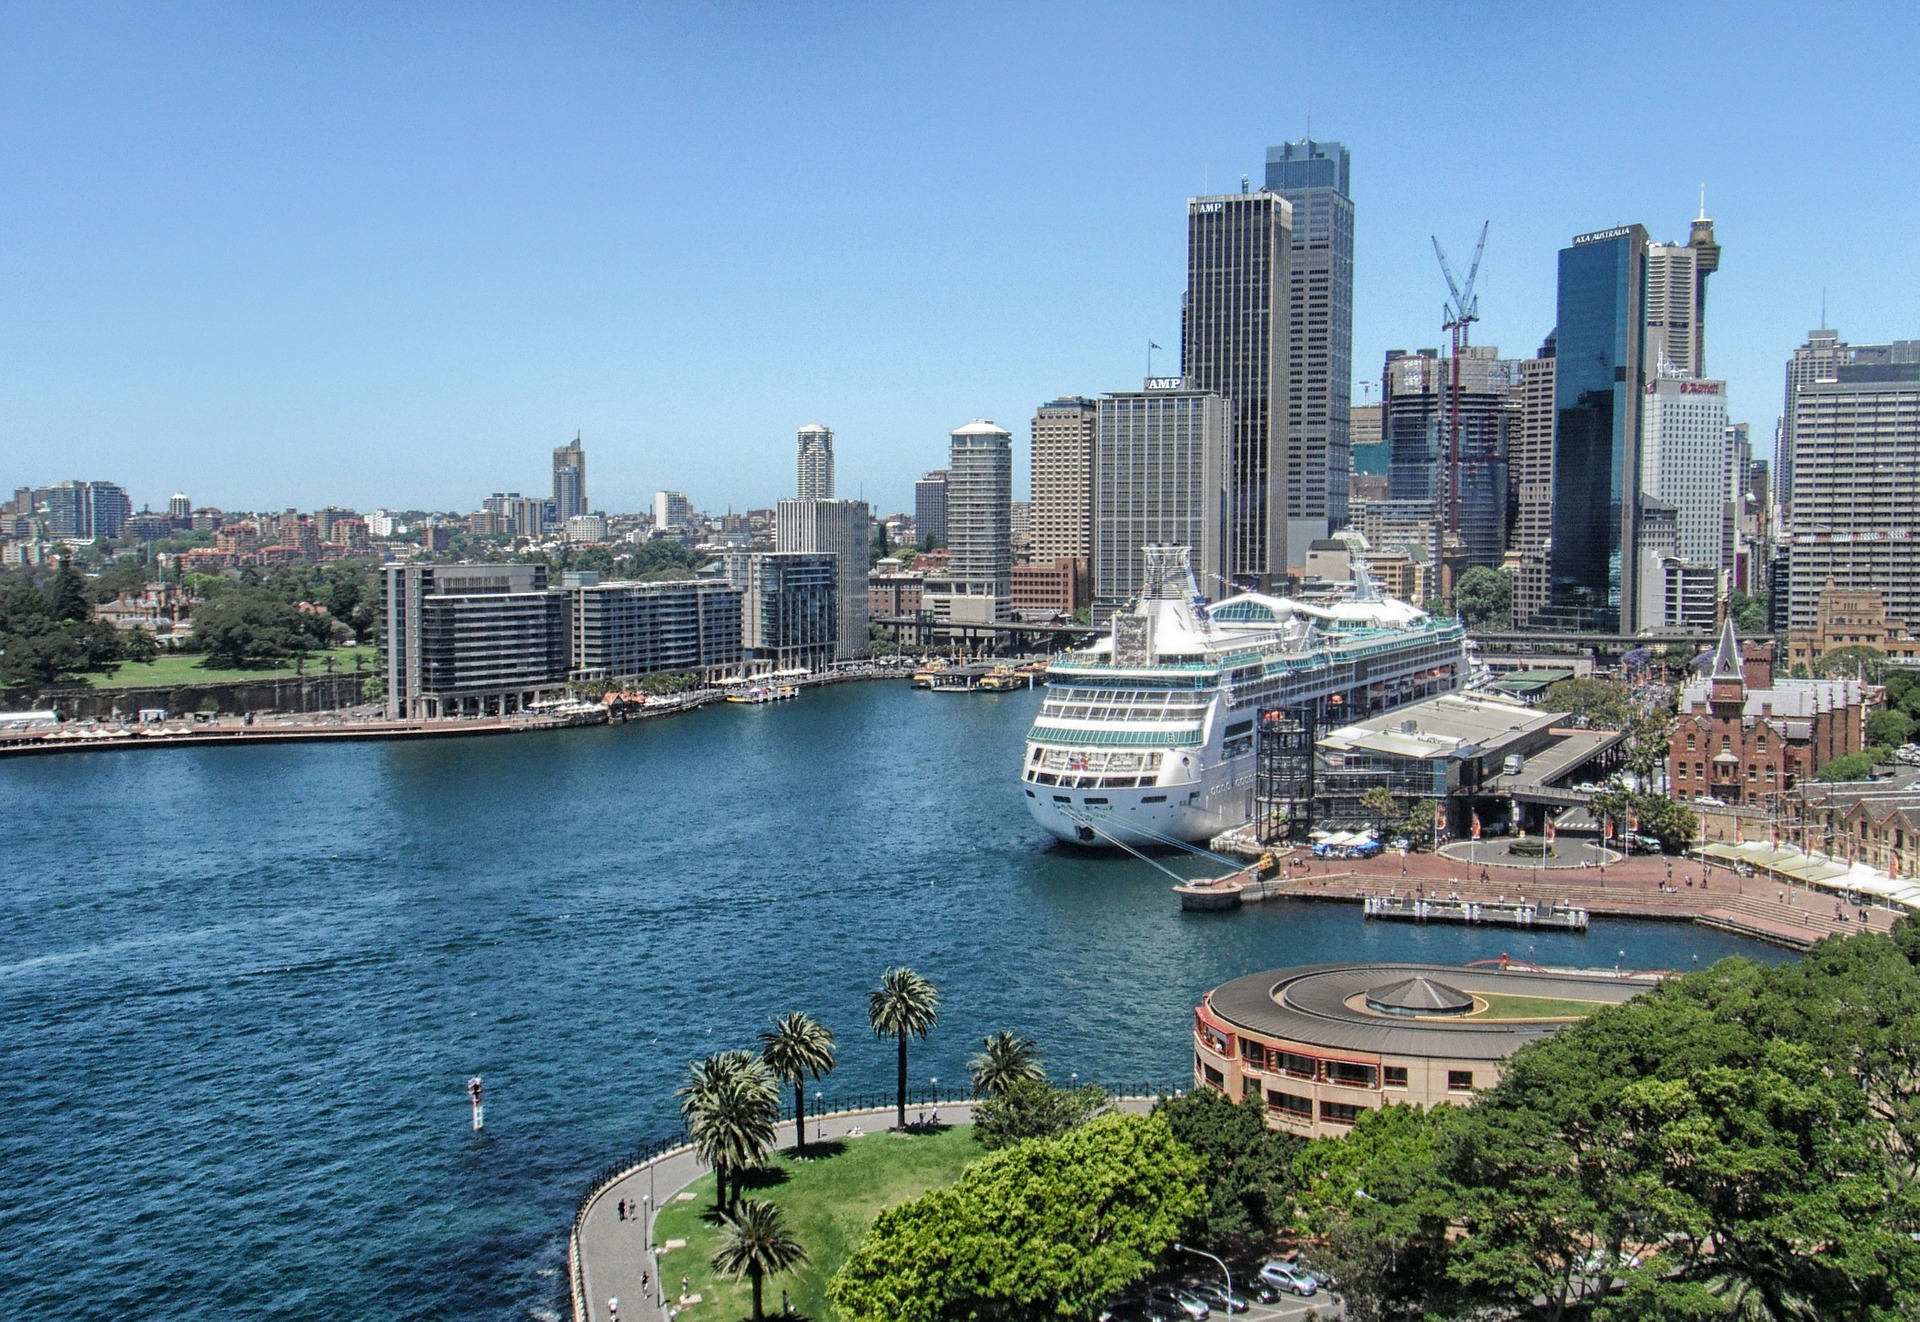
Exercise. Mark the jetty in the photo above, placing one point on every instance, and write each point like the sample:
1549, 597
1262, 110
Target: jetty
1412, 909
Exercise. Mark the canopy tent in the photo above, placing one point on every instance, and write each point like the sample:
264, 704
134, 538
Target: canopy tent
1791, 864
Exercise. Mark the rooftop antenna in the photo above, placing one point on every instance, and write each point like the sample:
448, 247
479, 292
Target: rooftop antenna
1823, 307
1703, 202
1309, 137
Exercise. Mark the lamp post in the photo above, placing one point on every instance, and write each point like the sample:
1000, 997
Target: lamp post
1224, 1270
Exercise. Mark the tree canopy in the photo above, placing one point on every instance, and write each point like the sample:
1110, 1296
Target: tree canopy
1600, 701
1246, 1167
1484, 598
1048, 1228
48, 632
1033, 1108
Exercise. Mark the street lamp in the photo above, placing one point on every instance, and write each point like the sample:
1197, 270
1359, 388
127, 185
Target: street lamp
1202, 1253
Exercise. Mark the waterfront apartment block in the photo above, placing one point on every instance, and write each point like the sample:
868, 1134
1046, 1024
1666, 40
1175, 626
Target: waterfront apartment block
790, 610
1315, 1047
1160, 478
837, 528
1234, 342
618, 630
1061, 522
470, 640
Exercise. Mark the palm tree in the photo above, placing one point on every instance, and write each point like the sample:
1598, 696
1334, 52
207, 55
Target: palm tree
731, 1104
904, 1004
1005, 1061
798, 1046
755, 1243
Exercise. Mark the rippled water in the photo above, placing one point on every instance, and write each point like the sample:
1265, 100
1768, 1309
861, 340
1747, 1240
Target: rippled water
241, 989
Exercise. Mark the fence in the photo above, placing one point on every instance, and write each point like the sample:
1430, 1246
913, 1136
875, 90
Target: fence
852, 1104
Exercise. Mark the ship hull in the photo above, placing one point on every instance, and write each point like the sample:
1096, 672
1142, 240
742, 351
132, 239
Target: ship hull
1194, 812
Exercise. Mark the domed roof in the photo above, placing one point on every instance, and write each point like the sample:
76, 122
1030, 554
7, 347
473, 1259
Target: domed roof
981, 427
1418, 995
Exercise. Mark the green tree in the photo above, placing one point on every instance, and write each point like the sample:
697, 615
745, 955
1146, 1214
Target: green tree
755, 1242
1379, 804
903, 1005
246, 629
1857, 662
1749, 613
799, 1047
1034, 1108
1854, 766
730, 1103
1484, 598
1247, 1168
1889, 728
1602, 702
1004, 1060
1051, 1228
72, 603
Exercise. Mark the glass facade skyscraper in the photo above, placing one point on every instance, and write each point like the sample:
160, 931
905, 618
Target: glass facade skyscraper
1599, 376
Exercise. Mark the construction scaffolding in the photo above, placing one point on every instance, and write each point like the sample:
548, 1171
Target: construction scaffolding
1283, 781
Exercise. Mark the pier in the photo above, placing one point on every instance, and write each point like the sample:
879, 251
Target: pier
1407, 909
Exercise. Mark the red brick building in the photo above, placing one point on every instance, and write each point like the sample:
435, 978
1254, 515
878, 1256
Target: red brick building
1056, 589
1742, 735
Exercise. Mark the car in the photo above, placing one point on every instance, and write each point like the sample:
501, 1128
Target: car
1180, 1302
1262, 1291
1216, 1296
1290, 1279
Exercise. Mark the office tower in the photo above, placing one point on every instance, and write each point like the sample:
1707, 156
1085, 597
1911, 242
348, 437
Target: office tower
84, 511
815, 463
1819, 359
1239, 259
1856, 484
469, 640
838, 528
1315, 178
1367, 441
1416, 419
1061, 521
1598, 378
979, 578
1684, 461
1530, 475
671, 510
569, 481
1160, 479
1675, 298
930, 508
789, 611
1740, 525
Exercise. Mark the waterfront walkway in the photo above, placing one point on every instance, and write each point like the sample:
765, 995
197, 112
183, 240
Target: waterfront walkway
607, 1255
1795, 916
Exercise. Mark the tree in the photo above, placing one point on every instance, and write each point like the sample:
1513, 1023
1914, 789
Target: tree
72, 604
1050, 1228
1379, 804
903, 1005
754, 1242
1854, 766
1005, 1059
1749, 613
1034, 1108
882, 546
1856, 662
1599, 701
798, 1047
730, 1103
1484, 598
245, 629
1889, 728
1247, 1168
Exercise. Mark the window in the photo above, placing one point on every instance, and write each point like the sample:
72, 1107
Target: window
1249, 1090
1253, 1052
1299, 1067
1290, 1104
1340, 1113
1459, 1080
1395, 1075
1213, 1076
1350, 1074
1690, 741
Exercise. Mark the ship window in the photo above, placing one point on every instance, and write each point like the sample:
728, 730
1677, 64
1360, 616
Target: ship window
1153, 798
1030, 794
1091, 800
1063, 798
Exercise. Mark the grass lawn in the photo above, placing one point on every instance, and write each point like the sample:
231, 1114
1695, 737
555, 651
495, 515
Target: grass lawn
829, 1201
184, 668
1533, 1007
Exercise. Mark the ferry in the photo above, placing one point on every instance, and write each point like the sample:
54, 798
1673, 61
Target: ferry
1148, 734
765, 693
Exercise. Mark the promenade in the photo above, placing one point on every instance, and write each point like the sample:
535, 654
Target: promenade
608, 1255
1642, 886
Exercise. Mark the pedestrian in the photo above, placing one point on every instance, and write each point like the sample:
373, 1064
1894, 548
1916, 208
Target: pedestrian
613, 1309
623, 1209
646, 1281
684, 1283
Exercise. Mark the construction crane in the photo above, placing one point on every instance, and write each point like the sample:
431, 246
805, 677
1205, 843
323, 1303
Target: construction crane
1457, 316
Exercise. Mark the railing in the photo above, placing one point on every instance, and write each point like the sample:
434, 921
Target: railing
853, 1104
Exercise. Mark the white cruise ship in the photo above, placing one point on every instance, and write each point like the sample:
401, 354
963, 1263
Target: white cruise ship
1149, 733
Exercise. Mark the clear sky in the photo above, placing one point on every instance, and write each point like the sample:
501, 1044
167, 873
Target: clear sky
375, 254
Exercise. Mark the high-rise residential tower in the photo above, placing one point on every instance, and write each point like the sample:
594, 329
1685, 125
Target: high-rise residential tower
1315, 179
1600, 373
1530, 477
1239, 259
1160, 478
569, 481
930, 508
815, 463
979, 525
1061, 526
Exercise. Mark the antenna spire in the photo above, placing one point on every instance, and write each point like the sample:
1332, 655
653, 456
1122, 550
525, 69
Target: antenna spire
1703, 201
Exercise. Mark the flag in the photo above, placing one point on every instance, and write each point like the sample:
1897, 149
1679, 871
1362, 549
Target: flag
1439, 818
1549, 828
1152, 345
1476, 826
1633, 820
1609, 828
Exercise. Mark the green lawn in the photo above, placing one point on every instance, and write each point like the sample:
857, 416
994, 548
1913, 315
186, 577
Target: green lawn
1534, 1007
829, 1201
184, 668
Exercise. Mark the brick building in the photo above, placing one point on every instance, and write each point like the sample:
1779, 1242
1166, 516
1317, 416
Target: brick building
1059, 588
1742, 735
1849, 617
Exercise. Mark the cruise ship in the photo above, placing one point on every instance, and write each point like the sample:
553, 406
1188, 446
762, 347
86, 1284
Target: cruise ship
1148, 734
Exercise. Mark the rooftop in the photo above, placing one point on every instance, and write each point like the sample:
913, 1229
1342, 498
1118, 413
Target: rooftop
1454, 725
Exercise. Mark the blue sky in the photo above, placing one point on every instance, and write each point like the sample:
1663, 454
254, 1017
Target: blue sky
390, 255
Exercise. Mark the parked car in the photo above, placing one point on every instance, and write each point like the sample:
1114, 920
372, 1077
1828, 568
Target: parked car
1187, 1305
1290, 1279
1216, 1296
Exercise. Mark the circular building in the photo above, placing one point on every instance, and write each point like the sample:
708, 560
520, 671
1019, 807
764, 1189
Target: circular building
1314, 1046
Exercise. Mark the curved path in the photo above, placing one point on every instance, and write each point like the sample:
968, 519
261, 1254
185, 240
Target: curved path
607, 1255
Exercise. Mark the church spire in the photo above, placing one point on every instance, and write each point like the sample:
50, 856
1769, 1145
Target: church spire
1726, 658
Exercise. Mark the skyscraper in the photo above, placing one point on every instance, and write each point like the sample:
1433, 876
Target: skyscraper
1530, 476
82, 511
1062, 516
1600, 372
1819, 359
815, 464
671, 509
1675, 335
1239, 256
837, 527
979, 525
1160, 478
569, 481
930, 507
1685, 462
1315, 177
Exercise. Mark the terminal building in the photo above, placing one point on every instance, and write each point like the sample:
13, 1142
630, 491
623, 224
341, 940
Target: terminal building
1315, 1046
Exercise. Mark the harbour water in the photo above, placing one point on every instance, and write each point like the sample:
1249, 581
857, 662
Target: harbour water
241, 989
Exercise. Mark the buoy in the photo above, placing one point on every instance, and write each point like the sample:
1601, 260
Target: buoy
474, 1094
